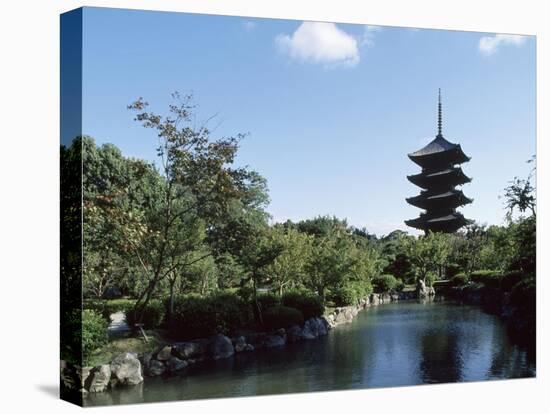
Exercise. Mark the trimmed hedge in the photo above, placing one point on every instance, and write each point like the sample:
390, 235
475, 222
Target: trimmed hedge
153, 315
460, 279
268, 300
197, 317
384, 283
510, 279
310, 304
489, 278
94, 331
282, 317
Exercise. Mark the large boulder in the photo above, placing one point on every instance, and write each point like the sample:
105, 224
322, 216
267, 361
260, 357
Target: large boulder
99, 378
374, 299
165, 353
175, 364
272, 341
126, 369
155, 368
190, 350
294, 334
314, 327
424, 291
240, 344
220, 347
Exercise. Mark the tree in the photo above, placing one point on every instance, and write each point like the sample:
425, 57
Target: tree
198, 184
521, 194
289, 267
428, 253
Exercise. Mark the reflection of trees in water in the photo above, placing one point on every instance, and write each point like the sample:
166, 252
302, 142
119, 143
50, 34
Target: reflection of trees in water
441, 357
510, 360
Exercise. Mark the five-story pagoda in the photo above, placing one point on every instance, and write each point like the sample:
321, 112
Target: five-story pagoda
441, 173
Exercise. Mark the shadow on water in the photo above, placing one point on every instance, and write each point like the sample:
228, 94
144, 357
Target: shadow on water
391, 345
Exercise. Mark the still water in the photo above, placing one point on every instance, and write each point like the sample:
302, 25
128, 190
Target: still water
398, 344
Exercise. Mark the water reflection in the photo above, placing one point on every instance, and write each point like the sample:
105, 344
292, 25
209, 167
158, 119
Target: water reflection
390, 345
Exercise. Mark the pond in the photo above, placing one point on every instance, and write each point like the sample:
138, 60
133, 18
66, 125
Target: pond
397, 344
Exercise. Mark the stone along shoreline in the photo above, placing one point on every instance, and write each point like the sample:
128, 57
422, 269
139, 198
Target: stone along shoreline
129, 368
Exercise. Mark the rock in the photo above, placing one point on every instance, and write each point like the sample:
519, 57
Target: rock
165, 353
240, 344
424, 291
73, 378
126, 369
374, 299
175, 364
256, 339
294, 333
155, 368
272, 341
84, 376
99, 378
385, 298
314, 327
220, 347
191, 349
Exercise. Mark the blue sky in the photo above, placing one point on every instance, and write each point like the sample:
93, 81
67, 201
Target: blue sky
331, 110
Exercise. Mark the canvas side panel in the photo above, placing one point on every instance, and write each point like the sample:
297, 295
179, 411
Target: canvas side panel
71, 206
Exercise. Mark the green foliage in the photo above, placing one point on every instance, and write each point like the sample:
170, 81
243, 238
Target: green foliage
429, 254
399, 286
489, 278
289, 267
510, 279
282, 317
152, 315
523, 294
94, 332
268, 300
197, 317
460, 279
106, 307
310, 304
384, 283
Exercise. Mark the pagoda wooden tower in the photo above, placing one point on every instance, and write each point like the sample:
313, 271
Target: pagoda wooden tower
441, 173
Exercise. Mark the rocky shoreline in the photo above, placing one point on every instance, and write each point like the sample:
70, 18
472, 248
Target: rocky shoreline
131, 369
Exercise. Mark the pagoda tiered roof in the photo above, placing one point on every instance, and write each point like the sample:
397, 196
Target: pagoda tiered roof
440, 161
439, 200
438, 153
454, 176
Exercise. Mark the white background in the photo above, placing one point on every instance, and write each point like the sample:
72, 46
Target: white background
29, 237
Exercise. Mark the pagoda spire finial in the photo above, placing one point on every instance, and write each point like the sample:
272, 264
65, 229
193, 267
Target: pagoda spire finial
439, 114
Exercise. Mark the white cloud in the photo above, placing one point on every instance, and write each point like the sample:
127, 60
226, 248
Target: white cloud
323, 43
249, 25
489, 45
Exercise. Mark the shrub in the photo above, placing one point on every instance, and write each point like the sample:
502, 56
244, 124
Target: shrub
153, 315
268, 300
282, 317
460, 279
489, 278
350, 293
510, 279
399, 286
523, 294
345, 295
197, 316
94, 331
310, 304
384, 283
